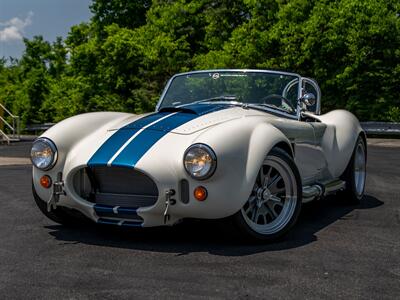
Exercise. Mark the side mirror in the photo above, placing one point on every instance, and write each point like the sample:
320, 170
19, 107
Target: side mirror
308, 99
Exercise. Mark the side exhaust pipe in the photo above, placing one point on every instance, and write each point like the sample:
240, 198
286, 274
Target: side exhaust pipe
319, 190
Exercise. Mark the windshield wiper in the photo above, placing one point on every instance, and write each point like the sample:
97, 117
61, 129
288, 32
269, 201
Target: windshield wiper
270, 106
219, 98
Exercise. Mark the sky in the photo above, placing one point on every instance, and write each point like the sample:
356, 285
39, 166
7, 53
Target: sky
27, 18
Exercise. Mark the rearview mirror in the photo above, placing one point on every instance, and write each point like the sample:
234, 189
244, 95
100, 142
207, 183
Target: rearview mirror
308, 99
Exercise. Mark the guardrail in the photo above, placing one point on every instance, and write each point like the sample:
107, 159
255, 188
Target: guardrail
381, 128
371, 129
14, 127
36, 128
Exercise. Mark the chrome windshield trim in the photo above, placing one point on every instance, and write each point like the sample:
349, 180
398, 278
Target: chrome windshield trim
296, 115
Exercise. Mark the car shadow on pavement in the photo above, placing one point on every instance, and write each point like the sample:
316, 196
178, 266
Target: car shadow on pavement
207, 236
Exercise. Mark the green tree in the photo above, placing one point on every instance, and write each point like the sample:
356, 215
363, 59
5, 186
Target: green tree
129, 14
122, 58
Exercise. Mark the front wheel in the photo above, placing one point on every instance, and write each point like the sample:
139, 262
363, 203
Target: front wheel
275, 201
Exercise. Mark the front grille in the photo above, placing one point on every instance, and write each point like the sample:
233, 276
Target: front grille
116, 186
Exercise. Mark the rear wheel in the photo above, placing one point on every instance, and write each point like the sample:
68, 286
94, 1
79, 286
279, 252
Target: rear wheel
275, 201
355, 173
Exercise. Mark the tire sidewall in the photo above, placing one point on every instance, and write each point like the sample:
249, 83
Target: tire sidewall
358, 196
349, 175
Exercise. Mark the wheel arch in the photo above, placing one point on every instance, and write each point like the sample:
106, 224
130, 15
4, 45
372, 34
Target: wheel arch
363, 135
272, 138
240, 158
285, 147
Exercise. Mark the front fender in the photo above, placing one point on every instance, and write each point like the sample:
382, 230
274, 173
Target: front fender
240, 147
68, 133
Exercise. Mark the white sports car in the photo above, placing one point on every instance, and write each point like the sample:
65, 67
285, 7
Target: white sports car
247, 145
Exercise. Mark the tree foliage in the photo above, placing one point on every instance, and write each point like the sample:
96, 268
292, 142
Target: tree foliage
121, 59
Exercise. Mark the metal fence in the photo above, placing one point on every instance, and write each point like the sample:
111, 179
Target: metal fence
381, 128
13, 126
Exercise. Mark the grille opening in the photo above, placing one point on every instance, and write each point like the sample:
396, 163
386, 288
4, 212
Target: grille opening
116, 186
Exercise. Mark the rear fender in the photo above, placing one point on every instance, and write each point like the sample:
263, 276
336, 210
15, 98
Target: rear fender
339, 140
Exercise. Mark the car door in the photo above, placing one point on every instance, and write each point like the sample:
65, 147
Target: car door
302, 137
319, 160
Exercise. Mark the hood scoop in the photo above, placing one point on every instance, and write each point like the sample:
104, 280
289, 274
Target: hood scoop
177, 109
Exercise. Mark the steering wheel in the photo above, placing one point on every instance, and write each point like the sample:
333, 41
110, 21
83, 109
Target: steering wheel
280, 98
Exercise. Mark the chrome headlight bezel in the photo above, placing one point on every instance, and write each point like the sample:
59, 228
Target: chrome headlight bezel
213, 164
50, 144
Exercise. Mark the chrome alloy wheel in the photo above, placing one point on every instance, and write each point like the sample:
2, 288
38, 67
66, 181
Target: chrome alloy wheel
360, 169
273, 200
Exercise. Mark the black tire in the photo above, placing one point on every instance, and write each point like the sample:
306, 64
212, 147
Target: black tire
239, 221
351, 194
59, 215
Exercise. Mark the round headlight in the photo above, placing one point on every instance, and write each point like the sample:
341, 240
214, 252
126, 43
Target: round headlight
43, 154
200, 161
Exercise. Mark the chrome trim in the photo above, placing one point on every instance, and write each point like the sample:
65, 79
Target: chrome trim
323, 189
311, 192
316, 86
334, 186
359, 169
210, 152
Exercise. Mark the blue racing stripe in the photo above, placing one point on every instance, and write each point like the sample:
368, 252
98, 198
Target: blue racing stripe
146, 139
108, 149
116, 141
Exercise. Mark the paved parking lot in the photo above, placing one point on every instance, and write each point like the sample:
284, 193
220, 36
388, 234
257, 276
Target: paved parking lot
335, 251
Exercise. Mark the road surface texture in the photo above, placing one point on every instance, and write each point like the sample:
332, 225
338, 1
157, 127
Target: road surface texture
335, 251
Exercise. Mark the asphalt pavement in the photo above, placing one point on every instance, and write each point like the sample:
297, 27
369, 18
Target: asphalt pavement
335, 251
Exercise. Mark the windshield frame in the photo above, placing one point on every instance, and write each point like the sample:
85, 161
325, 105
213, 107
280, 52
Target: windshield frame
296, 115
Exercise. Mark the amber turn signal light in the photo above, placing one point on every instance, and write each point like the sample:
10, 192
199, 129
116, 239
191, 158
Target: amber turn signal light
200, 193
45, 181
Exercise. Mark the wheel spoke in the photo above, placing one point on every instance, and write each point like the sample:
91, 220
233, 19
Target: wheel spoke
273, 186
261, 177
254, 214
267, 177
252, 204
276, 200
271, 211
252, 200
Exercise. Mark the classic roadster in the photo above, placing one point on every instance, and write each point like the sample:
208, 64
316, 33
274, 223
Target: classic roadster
248, 146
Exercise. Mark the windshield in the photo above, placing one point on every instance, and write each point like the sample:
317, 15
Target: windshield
273, 90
